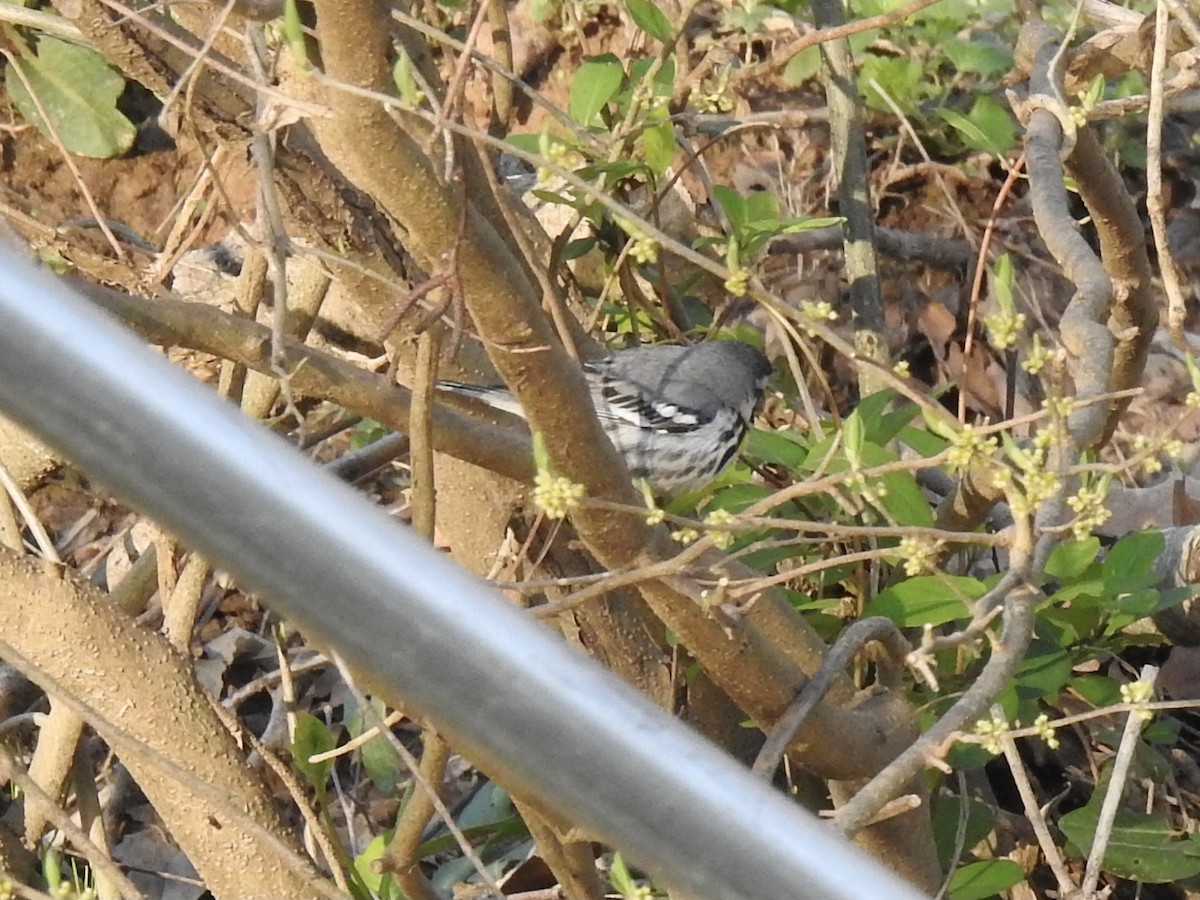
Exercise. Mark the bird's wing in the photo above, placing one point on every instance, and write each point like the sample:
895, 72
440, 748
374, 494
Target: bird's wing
621, 402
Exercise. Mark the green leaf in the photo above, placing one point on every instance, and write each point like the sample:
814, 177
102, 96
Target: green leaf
1142, 848
79, 92
927, 600
578, 247
977, 57
853, 439
1043, 672
923, 442
658, 147
1002, 283
406, 82
621, 878
311, 738
1133, 554
378, 756
663, 81
596, 82
1097, 690
903, 78
903, 498
947, 810
529, 142
1071, 559
978, 880
782, 447
988, 127
802, 67
651, 20
732, 204
762, 206
366, 865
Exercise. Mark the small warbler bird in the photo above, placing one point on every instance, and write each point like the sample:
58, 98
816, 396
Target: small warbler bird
677, 415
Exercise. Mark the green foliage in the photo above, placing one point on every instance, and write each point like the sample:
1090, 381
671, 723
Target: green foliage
755, 218
1095, 600
1143, 847
368, 431
651, 20
596, 82
312, 737
927, 600
488, 821
78, 91
948, 814
942, 66
986, 878
379, 758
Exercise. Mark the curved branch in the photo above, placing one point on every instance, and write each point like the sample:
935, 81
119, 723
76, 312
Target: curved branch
1109, 323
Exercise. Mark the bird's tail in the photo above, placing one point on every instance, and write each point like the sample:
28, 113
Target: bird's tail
495, 397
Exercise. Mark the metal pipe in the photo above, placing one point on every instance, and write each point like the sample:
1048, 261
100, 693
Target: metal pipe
551, 722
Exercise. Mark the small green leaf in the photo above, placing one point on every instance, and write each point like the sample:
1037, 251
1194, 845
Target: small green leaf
978, 880
903, 78
379, 758
947, 811
802, 67
578, 247
927, 600
529, 142
782, 447
1043, 672
658, 147
732, 204
977, 57
988, 127
596, 82
1002, 283
762, 206
853, 439
79, 91
651, 20
1098, 690
405, 81
1071, 559
1133, 554
662, 81
293, 34
621, 878
311, 738
365, 863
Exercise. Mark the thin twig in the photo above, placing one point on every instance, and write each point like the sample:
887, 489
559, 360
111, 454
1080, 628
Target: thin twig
873, 630
1116, 784
21, 502
1033, 812
1155, 201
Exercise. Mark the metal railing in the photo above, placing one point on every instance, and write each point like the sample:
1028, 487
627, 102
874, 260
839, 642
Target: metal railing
551, 722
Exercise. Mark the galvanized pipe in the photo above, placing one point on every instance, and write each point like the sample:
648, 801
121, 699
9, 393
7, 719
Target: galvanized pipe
552, 722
